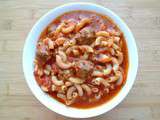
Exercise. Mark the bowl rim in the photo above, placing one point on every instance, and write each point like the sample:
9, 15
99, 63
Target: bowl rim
95, 111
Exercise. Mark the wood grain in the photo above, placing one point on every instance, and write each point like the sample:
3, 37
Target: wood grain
16, 19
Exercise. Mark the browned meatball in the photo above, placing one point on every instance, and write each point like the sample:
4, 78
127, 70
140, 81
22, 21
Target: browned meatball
83, 68
85, 36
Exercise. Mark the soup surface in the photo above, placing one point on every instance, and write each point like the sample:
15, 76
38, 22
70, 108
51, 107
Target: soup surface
81, 59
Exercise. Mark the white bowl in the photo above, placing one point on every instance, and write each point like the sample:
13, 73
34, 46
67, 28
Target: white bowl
29, 55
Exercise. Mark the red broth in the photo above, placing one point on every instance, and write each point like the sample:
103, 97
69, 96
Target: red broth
48, 46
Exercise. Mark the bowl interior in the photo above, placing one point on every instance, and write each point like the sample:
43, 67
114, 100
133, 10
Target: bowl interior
29, 55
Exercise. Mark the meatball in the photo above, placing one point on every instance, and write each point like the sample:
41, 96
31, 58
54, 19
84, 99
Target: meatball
85, 36
83, 67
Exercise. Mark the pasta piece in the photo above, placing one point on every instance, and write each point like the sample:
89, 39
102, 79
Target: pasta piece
114, 32
113, 79
102, 33
68, 84
59, 28
62, 55
44, 88
68, 29
87, 89
110, 42
115, 67
70, 49
105, 83
60, 41
120, 79
98, 41
63, 88
79, 89
120, 57
102, 50
116, 47
76, 52
40, 72
56, 81
90, 85
83, 23
112, 51
47, 72
114, 60
86, 48
48, 67
116, 40
69, 43
95, 90
83, 48
106, 90
104, 43
51, 44
115, 64
97, 73
97, 81
53, 87
45, 41
76, 80
84, 56
69, 102
100, 80
103, 58
42, 48
107, 70
70, 92
61, 64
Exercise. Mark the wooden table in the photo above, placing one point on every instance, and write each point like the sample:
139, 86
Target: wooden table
16, 19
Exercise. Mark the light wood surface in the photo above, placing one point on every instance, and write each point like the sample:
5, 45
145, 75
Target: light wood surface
16, 19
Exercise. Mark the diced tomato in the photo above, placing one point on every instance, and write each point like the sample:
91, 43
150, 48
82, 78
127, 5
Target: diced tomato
103, 27
98, 67
45, 81
55, 68
70, 59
